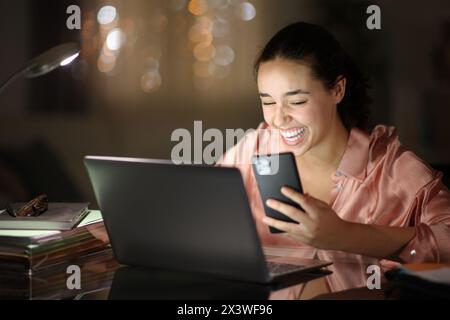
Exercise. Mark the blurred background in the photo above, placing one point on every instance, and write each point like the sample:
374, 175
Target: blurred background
148, 67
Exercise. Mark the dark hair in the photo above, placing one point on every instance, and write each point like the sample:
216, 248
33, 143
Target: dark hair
311, 43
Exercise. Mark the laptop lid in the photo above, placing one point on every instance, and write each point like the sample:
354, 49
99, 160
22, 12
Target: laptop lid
189, 218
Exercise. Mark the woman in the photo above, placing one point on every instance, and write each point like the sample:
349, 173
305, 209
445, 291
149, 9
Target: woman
364, 192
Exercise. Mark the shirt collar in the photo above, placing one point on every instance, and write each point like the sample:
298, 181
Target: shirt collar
354, 160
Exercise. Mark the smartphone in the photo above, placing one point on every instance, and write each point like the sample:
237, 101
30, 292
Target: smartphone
272, 172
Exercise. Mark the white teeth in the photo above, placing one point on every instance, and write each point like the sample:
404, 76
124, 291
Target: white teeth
293, 133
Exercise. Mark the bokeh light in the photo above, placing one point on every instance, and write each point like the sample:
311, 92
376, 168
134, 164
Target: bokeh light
116, 39
204, 51
106, 15
151, 81
204, 22
219, 72
198, 34
198, 7
246, 11
224, 55
208, 38
221, 28
106, 63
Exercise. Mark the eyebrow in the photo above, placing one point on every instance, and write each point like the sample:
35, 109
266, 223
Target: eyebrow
290, 93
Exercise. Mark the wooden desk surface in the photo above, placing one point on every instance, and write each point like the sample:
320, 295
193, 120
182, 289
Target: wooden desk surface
100, 275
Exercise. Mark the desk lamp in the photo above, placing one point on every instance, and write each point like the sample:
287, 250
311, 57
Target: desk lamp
48, 61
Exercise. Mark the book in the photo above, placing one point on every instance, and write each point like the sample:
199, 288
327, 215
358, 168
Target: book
34, 236
24, 250
59, 216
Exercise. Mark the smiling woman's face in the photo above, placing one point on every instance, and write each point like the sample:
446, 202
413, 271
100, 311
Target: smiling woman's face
296, 104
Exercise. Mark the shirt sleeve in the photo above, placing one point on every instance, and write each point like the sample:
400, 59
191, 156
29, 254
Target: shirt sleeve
431, 242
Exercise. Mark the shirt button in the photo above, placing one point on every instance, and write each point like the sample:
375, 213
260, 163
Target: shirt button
413, 253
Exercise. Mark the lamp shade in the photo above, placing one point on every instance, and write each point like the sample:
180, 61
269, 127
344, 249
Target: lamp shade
51, 59
46, 62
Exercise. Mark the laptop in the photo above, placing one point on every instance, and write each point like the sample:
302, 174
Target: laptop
183, 217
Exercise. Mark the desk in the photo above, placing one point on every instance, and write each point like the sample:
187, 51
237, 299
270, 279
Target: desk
103, 278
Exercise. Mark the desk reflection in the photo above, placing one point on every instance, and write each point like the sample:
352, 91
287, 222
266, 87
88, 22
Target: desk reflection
103, 277
133, 283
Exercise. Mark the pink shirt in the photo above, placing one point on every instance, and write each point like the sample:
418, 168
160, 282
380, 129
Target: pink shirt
378, 182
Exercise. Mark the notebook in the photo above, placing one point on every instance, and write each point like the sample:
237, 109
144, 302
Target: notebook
59, 216
28, 235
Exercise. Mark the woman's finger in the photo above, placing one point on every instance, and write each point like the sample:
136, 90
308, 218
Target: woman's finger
278, 224
308, 203
290, 211
289, 227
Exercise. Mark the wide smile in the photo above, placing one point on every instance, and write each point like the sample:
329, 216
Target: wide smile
293, 136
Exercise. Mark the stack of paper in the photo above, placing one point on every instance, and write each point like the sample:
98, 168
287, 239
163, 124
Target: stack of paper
25, 250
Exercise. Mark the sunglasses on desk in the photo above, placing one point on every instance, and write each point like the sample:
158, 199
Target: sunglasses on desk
34, 208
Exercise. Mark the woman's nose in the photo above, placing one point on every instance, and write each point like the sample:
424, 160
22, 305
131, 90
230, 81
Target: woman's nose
281, 117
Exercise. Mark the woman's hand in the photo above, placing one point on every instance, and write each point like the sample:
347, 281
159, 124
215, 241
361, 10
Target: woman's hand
319, 226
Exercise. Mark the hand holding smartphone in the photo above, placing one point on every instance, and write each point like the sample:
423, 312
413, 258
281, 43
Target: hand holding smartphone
272, 172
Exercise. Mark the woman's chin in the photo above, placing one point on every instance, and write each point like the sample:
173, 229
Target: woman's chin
298, 151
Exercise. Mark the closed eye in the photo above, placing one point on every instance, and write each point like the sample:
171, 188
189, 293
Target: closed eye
298, 103
269, 103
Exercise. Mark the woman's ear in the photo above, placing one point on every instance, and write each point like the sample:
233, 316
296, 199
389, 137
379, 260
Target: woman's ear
339, 89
